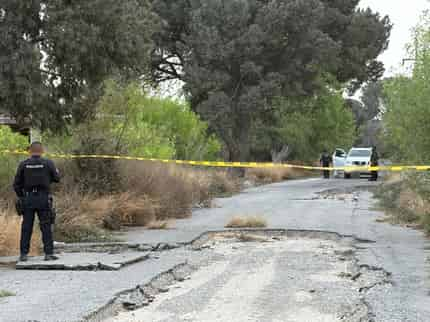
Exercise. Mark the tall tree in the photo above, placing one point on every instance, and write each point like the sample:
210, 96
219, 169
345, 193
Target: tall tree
370, 104
235, 56
372, 98
54, 54
303, 128
407, 119
367, 113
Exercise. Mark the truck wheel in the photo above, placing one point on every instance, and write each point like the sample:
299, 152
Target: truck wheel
347, 176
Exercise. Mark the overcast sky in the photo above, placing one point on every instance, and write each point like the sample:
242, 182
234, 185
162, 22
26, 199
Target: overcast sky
405, 15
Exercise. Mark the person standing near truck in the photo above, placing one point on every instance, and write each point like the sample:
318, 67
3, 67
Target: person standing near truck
374, 162
325, 161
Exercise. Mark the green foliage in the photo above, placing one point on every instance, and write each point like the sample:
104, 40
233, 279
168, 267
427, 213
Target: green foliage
367, 112
235, 56
129, 122
183, 126
4, 293
81, 43
10, 141
407, 120
310, 126
119, 117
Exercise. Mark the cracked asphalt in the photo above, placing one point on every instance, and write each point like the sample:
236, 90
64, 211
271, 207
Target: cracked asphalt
69, 296
295, 279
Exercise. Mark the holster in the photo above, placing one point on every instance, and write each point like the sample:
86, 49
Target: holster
52, 210
19, 207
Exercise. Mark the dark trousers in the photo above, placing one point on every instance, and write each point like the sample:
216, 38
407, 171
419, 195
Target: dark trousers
44, 215
374, 176
326, 173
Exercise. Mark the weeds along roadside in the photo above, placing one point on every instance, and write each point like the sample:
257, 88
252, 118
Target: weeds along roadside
98, 197
142, 194
405, 198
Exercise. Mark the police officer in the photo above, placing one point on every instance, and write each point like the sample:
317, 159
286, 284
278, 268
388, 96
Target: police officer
325, 162
374, 162
32, 186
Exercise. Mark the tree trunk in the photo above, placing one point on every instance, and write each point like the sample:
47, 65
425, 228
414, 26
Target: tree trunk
280, 156
239, 145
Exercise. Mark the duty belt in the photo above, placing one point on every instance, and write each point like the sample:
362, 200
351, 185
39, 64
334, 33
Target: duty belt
35, 191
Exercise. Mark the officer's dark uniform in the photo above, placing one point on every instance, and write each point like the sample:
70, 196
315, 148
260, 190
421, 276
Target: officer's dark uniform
325, 161
32, 185
374, 162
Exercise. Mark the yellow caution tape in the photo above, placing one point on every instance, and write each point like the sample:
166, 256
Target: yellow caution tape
222, 164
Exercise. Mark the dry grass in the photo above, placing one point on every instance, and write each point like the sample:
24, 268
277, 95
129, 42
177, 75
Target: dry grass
155, 194
249, 238
247, 222
176, 189
406, 200
10, 227
146, 194
81, 217
393, 177
159, 225
276, 174
221, 183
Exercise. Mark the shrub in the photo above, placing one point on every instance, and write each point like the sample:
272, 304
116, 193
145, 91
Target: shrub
127, 122
159, 225
276, 174
247, 222
4, 293
153, 127
10, 141
10, 227
221, 183
78, 223
407, 200
153, 195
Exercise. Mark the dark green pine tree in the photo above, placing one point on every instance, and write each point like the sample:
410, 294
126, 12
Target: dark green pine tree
55, 54
235, 56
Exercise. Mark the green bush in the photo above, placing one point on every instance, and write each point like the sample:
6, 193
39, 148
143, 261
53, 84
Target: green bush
130, 122
184, 127
4, 293
310, 125
407, 117
127, 122
10, 141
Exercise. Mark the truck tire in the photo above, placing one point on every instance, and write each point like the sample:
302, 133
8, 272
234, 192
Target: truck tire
347, 176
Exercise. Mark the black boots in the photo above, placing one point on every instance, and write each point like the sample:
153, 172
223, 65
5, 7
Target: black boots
50, 258
23, 258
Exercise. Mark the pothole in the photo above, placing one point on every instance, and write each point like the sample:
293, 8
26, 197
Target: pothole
256, 275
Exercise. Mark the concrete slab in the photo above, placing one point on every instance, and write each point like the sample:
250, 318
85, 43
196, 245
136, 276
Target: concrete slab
85, 261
